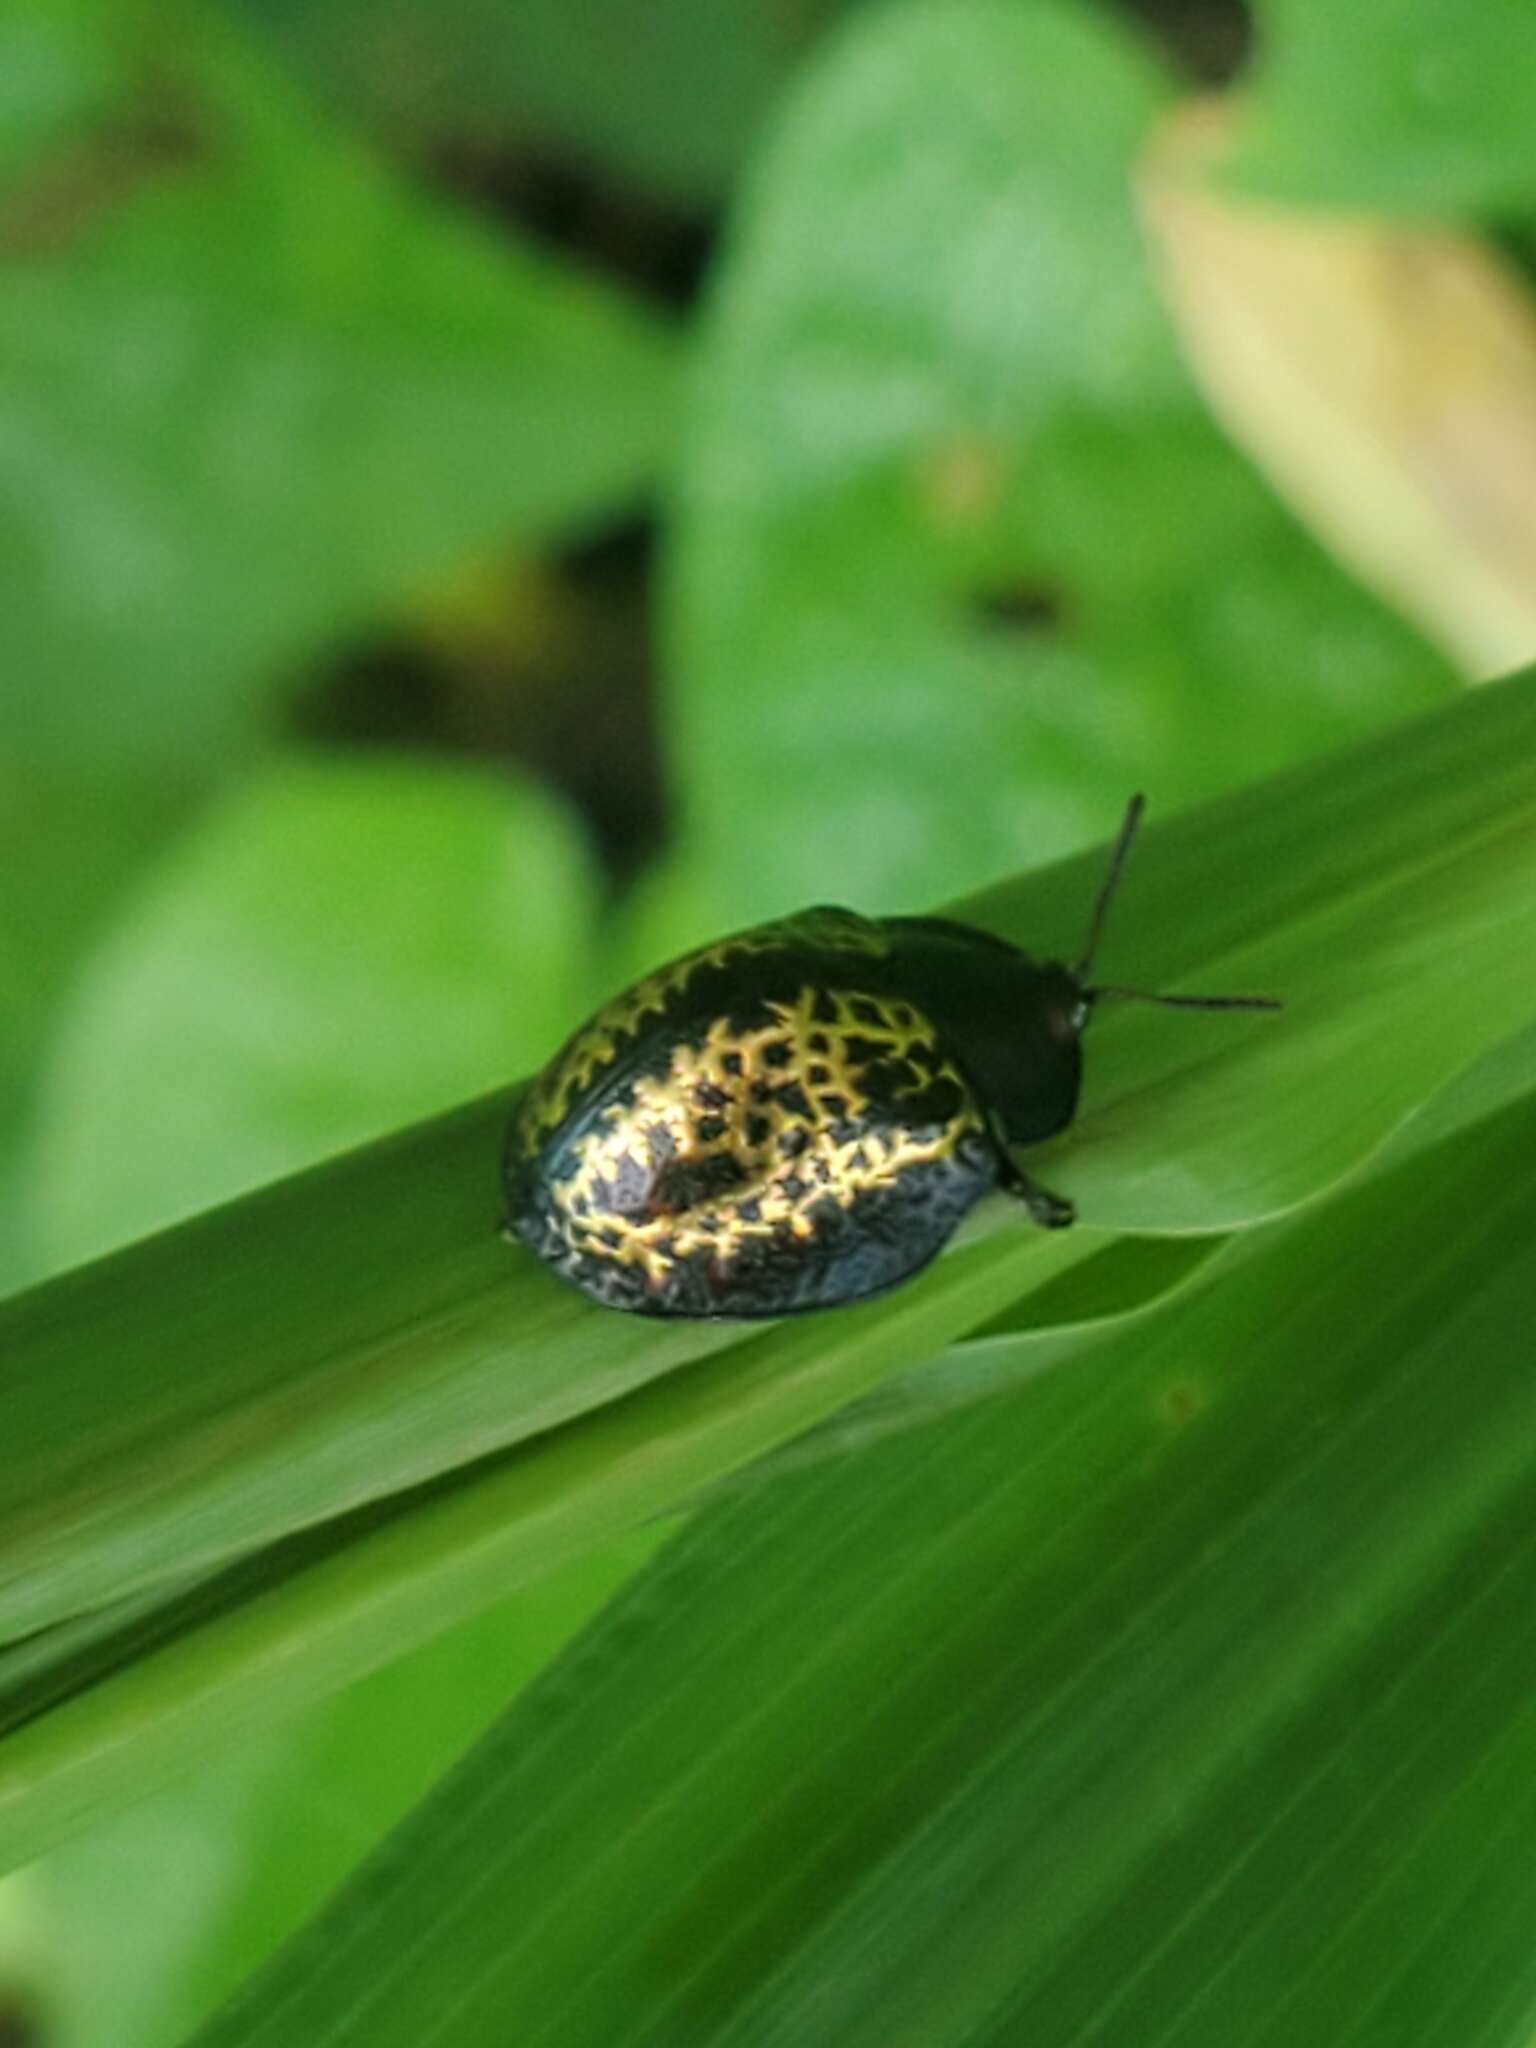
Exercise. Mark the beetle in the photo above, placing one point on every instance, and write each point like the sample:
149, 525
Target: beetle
799, 1115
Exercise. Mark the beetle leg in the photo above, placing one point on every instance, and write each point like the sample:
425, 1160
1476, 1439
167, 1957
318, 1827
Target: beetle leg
1051, 1212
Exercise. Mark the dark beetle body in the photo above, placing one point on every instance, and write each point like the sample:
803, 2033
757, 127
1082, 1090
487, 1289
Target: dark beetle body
793, 1117
800, 1115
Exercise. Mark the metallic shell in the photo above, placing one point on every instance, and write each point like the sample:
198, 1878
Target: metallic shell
769, 1124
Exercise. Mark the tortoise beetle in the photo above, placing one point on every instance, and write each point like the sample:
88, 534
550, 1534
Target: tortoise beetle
799, 1115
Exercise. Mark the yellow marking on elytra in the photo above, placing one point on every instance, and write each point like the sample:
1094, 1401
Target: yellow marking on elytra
588, 1051
699, 1089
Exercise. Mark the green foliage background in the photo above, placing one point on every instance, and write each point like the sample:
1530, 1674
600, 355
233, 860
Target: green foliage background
1122, 1636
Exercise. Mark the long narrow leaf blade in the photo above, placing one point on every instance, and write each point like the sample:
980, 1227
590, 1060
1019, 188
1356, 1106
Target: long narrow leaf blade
297, 1627
1187, 1696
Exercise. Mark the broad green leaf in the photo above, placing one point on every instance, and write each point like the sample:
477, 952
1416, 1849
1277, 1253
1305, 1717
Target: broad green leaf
1184, 1696
360, 1329
64, 850
68, 849
1427, 109
55, 74
339, 948
959, 561
257, 390
668, 97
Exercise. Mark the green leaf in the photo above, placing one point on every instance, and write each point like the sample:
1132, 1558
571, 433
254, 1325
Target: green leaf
257, 390
1184, 1696
415, 1342
55, 74
211, 1665
669, 98
156, 1916
341, 947
1069, 1313
67, 851
959, 560
1427, 109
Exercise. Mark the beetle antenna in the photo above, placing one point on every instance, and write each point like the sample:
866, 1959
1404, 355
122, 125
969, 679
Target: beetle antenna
1143, 995
1122, 846
1110, 883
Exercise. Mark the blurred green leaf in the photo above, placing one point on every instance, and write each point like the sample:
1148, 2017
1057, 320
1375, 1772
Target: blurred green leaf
55, 73
67, 850
1387, 881
254, 390
63, 853
959, 559
162, 1911
1184, 1696
1426, 109
668, 97
341, 947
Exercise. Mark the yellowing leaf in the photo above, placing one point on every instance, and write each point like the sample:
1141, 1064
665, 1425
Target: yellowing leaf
1384, 377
